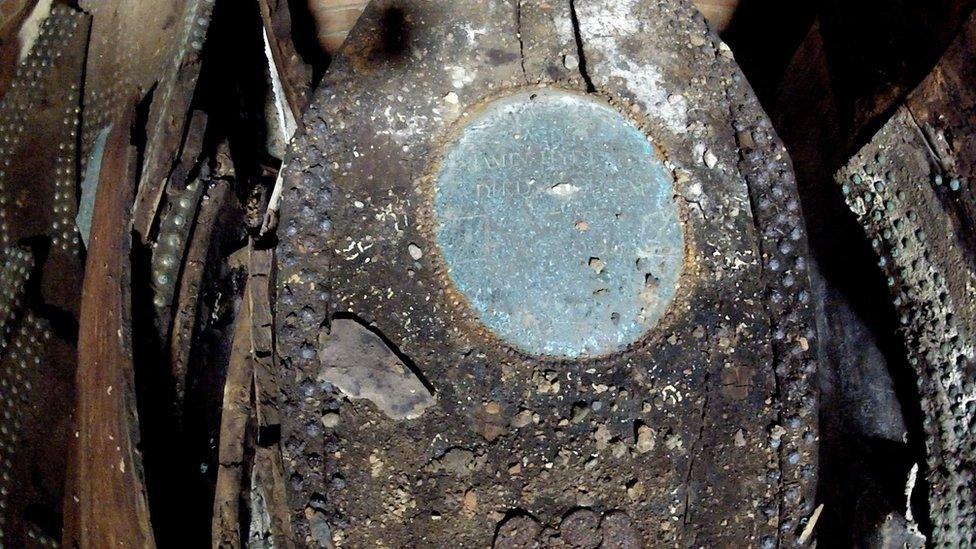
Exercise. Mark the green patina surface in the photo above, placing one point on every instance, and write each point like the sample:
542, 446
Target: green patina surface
557, 221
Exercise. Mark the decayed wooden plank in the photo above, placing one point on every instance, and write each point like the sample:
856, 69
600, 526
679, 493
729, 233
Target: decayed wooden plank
250, 398
268, 479
178, 47
233, 429
739, 188
292, 76
188, 299
110, 507
14, 15
191, 282
268, 470
262, 344
37, 199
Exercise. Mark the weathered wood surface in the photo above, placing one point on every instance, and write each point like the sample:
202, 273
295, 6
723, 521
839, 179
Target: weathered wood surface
266, 392
335, 18
943, 107
719, 13
108, 506
235, 416
268, 488
250, 470
291, 75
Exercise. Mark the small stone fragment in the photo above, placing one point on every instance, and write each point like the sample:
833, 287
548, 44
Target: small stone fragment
602, 437
746, 140
470, 503
522, 419
645, 439
489, 421
415, 252
619, 449
457, 461
375, 465
580, 411
710, 159
635, 490
740, 438
330, 420
319, 527
673, 442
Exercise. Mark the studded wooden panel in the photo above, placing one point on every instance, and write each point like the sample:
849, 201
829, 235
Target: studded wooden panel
13, 14
912, 188
703, 432
39, 117
22, 371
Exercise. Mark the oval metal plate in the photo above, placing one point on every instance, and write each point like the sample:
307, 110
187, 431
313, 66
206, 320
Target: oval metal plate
557, 222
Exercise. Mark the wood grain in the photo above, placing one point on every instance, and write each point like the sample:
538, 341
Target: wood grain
110, 507
335, 18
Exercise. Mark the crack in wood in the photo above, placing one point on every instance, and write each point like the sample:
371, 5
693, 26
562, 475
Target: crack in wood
580, 50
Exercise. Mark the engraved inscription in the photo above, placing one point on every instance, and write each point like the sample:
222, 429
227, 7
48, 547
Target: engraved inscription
557, 221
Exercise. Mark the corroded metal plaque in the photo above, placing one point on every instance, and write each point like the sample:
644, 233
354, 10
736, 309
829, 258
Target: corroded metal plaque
557, 222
